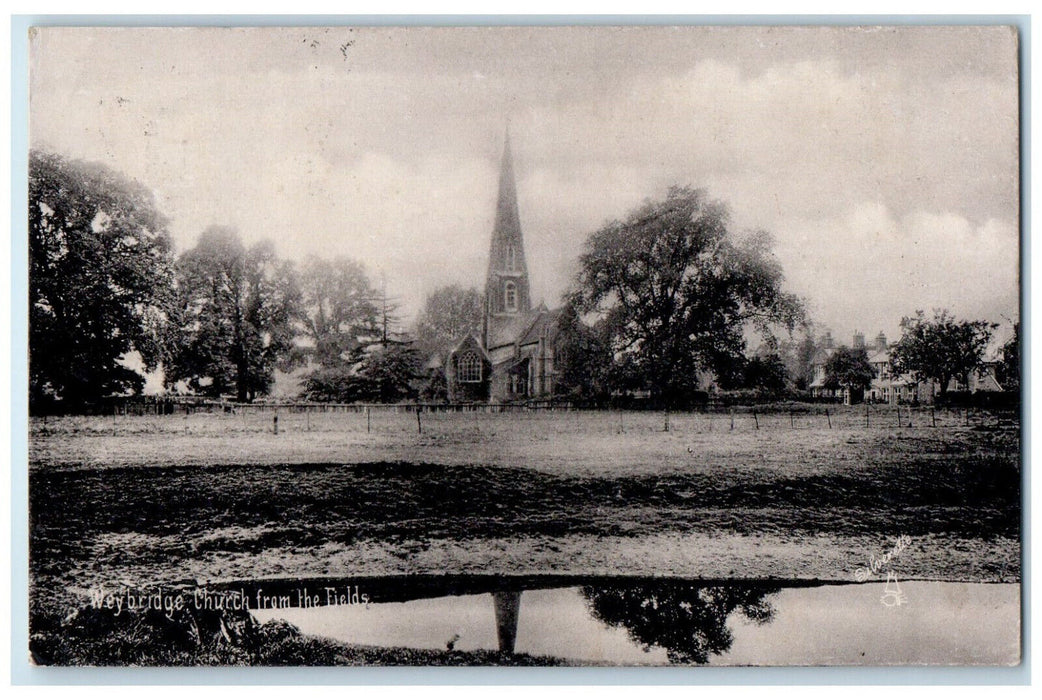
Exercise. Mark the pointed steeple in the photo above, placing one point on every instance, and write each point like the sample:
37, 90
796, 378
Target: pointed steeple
506, 287
506, 233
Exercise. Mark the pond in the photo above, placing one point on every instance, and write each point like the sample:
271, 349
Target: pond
627, 621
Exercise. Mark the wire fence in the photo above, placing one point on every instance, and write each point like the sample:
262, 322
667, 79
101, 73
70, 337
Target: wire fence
458, 419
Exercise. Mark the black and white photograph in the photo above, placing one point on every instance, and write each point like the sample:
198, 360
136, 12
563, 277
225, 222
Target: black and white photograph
486, 346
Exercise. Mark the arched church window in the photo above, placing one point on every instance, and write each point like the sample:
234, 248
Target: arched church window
469, 367
510, 296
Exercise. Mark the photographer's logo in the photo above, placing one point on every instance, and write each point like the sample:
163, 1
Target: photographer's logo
892, 595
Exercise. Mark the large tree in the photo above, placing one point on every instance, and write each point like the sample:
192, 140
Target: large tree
941, 349
678, 290
798, 353
449, 313
582, 358
340, 306
237, 314
765, 374
849, 368
99, 262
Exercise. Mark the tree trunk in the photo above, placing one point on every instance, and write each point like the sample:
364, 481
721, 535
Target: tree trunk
241, 390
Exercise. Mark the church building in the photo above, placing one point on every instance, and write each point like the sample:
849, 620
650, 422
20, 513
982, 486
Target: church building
513, 357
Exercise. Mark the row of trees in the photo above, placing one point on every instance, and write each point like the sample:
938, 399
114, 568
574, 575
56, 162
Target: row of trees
663, 298
218, 320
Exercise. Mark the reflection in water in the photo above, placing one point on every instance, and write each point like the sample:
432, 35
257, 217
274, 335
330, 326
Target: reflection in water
688, 621
625, 621
508, 606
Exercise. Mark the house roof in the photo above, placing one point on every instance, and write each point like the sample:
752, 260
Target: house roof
822, 355
879, 356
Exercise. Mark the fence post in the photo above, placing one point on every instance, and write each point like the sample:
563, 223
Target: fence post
665, 419
732, 419
899, 416
275, 421
756, 420
419, 425
828, 418
866, 415
933, 416
367, 420
792, 420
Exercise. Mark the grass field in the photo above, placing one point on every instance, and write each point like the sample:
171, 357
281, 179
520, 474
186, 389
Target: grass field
214, 496
613, 443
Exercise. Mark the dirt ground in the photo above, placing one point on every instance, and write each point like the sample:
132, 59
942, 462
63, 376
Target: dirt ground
217, 497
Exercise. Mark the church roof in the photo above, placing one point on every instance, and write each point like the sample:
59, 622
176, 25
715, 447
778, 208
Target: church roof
522, 329
507, 330
468, 339
543, 320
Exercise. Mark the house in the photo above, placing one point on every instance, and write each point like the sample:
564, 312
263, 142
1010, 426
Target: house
903, 389
885, 387
513, 357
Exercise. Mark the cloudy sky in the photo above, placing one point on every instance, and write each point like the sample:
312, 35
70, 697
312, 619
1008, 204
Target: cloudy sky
884, 161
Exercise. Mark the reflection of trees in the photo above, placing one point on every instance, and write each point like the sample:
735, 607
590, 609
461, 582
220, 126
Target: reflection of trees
689, 621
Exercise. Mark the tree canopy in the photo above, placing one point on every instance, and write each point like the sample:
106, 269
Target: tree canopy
237, 311
849, 368
100, 262
678, 289
798, 353
340, 307
941, 349
448, 314
385, 373
582, 358
765, 374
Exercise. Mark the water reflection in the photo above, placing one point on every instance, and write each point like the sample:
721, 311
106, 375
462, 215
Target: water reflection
688, 621
625, 621
633, 620
508, 608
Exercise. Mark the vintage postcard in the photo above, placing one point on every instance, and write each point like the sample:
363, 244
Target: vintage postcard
524, 346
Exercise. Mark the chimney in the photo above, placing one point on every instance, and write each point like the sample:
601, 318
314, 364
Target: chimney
881, 341
859, 339
826, 342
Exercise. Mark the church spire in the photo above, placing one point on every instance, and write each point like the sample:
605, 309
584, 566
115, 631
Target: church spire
507, 230
506, 287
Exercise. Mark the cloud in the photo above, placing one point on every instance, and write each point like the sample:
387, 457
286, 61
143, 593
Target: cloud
884, 161
882, 267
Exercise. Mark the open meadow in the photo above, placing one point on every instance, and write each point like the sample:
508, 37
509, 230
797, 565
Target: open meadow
216, 496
